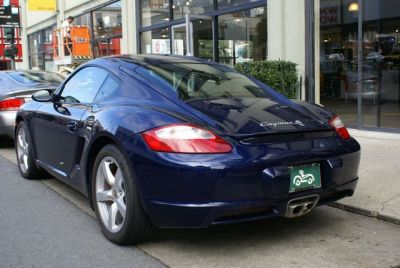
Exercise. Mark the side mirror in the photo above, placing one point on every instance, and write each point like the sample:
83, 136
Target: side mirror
43, 96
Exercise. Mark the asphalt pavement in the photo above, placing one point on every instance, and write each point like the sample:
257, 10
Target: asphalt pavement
39, 228
47, 224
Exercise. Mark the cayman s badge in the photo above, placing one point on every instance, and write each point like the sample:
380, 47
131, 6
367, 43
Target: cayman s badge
275, 124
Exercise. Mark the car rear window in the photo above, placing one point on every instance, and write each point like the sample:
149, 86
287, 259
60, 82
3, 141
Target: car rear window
36, 77
193, 81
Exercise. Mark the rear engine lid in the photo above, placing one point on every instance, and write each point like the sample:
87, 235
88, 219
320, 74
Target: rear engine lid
244, 117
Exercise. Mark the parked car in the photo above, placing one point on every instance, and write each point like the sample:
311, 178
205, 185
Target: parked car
173, 142
16, 88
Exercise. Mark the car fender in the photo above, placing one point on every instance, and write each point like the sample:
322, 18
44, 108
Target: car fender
115, 125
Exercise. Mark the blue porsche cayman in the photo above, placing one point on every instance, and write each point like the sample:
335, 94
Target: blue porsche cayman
181, 142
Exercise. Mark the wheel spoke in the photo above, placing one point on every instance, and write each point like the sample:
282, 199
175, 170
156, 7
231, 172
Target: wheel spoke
103, 196
118, 179
20, 141
105, 166
25, 159
26, 148
112, 216
121, 206
20, 156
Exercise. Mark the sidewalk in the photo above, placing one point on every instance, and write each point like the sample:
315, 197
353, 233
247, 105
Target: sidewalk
378, 191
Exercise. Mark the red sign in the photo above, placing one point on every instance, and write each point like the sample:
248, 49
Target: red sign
330, 12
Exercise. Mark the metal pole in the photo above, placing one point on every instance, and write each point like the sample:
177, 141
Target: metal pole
12, 47
359, 62
309, 78
188, 36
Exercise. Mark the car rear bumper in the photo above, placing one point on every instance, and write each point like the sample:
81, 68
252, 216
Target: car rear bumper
7, 123
195, 191
200, 215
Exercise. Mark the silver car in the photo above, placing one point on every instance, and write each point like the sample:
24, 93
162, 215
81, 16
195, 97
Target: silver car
16, 88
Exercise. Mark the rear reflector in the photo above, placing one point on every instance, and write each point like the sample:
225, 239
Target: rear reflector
185, 139
340, 129
11, 104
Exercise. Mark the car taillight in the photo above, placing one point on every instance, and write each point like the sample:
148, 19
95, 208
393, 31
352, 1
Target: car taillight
11, 104
340, 129
185, 139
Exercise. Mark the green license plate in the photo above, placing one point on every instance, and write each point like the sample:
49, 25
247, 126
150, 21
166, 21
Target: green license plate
304, 177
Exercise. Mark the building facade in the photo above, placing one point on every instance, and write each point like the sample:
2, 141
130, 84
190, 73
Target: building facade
347, 51
5, 61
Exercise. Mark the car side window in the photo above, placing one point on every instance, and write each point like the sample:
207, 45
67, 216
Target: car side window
84, 85
109, 89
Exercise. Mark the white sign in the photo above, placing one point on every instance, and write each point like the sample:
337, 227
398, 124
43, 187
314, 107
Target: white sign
160, 46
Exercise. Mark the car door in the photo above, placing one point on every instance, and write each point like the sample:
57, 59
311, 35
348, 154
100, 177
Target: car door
55, 124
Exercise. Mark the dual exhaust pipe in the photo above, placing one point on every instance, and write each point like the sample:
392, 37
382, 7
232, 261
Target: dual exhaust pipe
301, 206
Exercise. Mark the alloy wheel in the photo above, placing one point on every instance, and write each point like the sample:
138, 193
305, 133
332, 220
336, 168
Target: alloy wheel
111, 194
22, 150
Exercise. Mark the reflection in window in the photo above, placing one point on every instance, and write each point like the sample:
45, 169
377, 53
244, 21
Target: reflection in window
82, 20
192, 81
156, 42
83, 86
109, 89
106, 47
202, 39
380, 64
107, 30
243, 36
107, 21
154, 11
41, 49
181, 7
233, 3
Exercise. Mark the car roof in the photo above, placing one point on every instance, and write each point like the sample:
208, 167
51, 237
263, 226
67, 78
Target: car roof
149, 58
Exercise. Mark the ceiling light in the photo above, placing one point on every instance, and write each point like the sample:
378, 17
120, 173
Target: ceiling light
353, 7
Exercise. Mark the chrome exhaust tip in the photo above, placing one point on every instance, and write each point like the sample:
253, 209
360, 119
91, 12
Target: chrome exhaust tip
301, 206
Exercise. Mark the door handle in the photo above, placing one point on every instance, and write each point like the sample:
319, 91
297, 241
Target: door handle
71, 126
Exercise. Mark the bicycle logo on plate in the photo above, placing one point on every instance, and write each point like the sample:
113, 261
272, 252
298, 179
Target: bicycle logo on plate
303, 178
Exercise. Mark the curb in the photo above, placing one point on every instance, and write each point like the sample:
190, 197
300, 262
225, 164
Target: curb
366, 212
357, 133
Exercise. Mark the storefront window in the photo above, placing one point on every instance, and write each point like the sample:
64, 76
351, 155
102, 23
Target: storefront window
233, 3
154, 11
35, 43
156, 42
242, 36
202, 39
338, 58
381, 64
107, 21
379, 96
181, 7
83, 20
41, 49
107, 30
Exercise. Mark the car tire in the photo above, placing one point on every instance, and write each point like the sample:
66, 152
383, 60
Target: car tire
116, 199
24, 152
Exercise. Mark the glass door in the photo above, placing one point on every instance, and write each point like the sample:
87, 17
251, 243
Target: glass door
180, 43
381, 64
193, 38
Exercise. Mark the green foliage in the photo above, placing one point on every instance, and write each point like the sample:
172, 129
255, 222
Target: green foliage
280, 75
